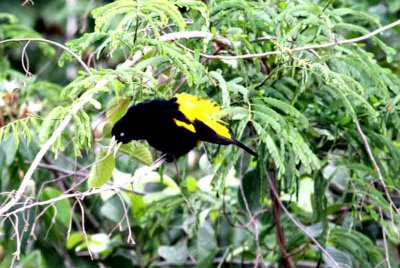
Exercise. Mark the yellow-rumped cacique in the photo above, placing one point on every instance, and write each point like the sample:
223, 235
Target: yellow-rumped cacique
175, 126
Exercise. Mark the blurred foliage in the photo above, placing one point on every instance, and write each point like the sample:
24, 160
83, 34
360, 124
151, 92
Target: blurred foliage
298, 109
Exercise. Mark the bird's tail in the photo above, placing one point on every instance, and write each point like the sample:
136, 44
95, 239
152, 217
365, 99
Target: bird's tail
244, 147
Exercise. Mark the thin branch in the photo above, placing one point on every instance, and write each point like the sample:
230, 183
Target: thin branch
52, 222
254, 223
25, 60
299, 225
86, 97
172, 37
79, 173
70, 220
309, 47
235, 262
18, 246
276, 212
89, 192
28, 2
130, 239
15, 224
76, 56
32, 233
387, 254
376, 166
62, 170
78, 200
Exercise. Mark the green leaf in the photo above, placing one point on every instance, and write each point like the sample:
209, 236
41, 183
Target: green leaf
237, 113
74, 239
176, 254
253, 190
394, 5
357, 245
9, 148
102, 170
116, 108
288, 109
206, 245
138, 151
154, 62
63, 206
97, 243
50, 123
191, 184
223, 86
276, 155
340, 257
112, 209
137, 206
33, 259
306, 190
11, 18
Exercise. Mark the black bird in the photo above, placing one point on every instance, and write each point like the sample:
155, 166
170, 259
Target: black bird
175, 126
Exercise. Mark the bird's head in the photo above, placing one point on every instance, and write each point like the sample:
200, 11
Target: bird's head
132, 126
122, 131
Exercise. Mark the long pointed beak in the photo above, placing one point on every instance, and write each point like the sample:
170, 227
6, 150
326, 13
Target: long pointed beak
114, 145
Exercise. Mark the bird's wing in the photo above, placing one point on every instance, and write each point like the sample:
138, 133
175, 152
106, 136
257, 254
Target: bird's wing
203, 118
206, 133
188, 126
207, 112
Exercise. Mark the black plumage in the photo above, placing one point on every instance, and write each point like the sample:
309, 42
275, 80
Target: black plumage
166, 128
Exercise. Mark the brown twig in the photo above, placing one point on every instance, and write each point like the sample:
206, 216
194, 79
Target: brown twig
299, 225
83, 226
62, 170
18, 239
385, 245
298, 49
89, 192
376, 167
80, 173
32, 233
27, 2
25, 60
130, 239
42, 40
255, 226
84, 99
276, 212
338, 189
235, 262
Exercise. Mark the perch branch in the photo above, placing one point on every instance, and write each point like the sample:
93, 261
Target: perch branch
94, 191
376, 166
76, 56
299, 225
298, 49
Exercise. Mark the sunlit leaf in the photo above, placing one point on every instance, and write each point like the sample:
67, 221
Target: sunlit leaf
102, 170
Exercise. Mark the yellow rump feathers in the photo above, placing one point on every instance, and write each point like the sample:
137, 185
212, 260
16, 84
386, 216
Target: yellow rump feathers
203, 110
185, 125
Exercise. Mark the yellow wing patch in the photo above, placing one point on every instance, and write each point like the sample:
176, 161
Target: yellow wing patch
203, 110
189, 127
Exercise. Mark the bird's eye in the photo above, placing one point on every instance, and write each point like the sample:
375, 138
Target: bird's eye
122, 134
